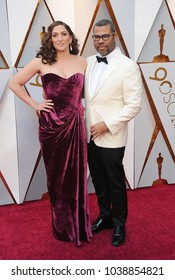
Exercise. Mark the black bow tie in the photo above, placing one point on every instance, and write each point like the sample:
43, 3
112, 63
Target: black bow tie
102, 59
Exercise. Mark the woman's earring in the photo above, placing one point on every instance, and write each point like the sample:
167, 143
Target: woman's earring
70, 47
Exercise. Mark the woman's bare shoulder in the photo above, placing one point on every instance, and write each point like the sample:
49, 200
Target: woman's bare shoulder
35, 64
36, 61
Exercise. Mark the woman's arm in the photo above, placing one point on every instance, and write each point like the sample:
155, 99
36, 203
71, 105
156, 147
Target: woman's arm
23, 76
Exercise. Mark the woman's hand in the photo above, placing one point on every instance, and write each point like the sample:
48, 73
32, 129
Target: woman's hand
46, 105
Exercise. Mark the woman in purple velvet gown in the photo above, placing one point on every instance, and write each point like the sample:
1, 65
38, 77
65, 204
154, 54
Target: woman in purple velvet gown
61, 129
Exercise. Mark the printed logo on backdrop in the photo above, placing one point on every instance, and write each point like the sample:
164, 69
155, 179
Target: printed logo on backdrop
161, 83
162, 86
37, 81
157, 64
159, 77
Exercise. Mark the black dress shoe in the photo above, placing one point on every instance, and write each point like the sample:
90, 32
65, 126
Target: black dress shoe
101, 224
119, 235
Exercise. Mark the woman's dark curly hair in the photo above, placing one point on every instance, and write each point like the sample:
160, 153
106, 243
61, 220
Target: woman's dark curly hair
47, 51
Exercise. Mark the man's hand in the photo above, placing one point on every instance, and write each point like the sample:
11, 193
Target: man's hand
98, 129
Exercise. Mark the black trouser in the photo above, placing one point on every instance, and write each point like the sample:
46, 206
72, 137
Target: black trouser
108, 177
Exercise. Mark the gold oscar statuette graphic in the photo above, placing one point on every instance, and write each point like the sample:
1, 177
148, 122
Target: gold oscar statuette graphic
42, 32
161, 57
160, 181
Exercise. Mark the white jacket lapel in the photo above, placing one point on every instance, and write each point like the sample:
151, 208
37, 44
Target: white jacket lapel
109, 70
104, 78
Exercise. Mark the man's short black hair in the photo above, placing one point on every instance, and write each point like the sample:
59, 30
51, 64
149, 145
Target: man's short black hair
104, 22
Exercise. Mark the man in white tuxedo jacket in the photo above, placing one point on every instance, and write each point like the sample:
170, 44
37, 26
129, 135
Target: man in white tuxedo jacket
113, 88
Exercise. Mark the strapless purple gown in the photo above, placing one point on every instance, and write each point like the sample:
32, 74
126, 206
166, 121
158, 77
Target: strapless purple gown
63, 144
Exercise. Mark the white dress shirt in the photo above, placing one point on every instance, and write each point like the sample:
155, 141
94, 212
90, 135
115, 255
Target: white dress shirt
98, 70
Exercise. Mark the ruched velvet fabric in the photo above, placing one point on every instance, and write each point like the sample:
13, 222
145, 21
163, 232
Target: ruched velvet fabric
63, 144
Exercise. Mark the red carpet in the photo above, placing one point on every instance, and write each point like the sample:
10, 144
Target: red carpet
26, 232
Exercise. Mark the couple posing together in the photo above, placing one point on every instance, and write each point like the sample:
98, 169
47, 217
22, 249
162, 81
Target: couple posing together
112, 88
